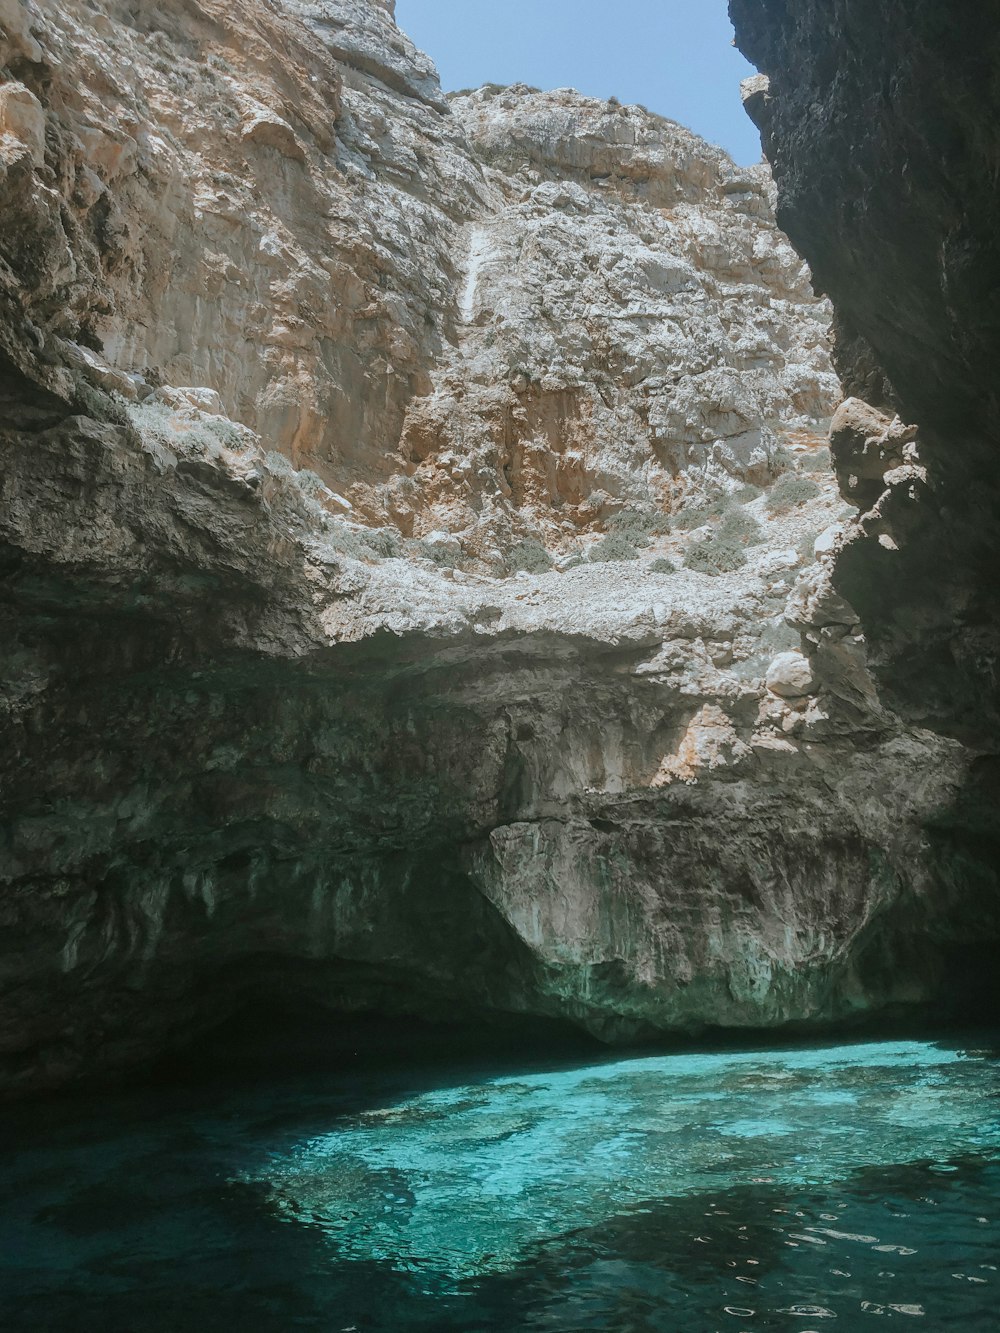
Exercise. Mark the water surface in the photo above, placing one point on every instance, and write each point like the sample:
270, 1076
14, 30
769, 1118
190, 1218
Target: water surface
779, 1189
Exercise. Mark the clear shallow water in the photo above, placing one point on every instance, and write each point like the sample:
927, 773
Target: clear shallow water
777, 1189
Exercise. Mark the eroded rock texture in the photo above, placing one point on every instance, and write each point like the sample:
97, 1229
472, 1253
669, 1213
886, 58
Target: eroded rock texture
418, 558
881, 122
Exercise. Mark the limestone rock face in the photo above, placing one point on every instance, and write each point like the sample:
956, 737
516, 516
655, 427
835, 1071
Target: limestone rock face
498, 317
277, 229
419, 562
629, 321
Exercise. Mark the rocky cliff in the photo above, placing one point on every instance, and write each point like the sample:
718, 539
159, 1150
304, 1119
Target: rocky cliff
881, 124
418, 554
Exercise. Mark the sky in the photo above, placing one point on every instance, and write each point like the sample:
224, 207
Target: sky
673, 56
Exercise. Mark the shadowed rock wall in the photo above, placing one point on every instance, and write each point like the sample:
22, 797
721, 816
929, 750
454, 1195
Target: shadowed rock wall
534, 692
882, 125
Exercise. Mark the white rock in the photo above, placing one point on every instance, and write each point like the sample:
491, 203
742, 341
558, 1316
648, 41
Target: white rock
98, 372
755, 84
16, 18
23, 117
790, 676
204, 399
826, 543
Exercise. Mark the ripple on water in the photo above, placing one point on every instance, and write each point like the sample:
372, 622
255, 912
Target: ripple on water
494, 1167
745, 1190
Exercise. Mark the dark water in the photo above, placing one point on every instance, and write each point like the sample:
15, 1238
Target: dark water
800, 1189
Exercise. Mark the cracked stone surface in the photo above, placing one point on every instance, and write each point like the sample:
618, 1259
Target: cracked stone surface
418, 562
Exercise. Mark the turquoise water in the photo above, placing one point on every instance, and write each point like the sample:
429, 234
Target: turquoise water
779, 1189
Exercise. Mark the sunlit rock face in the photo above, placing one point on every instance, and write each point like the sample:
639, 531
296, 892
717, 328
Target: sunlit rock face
281, 230
417, 557
630, 321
